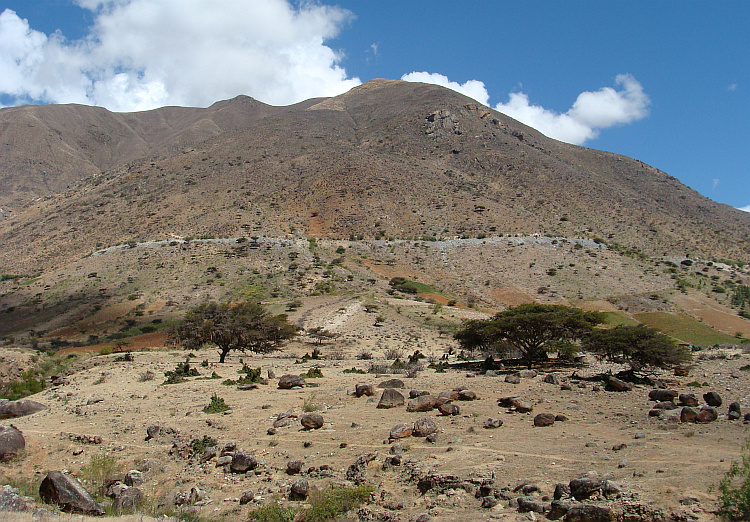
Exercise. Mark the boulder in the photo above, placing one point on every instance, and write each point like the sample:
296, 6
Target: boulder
707, 414
401, 431
527, 374
424, 427
67, 493
512, 378
492, 423
392, 383
584, 487
247, 497
506, 402
467, 395
618, 385
391, 399
364, 389
421, 403
688, 399
12, 442
289, 381
552, 378
242, 462
10, 500
449, 409
312, 421
589, 513
712, 399
735, 406
526, 504
20, 408
299, 490
413, 394
521, 406
128, 500
662, 395
294, 467
561, 491
544, 419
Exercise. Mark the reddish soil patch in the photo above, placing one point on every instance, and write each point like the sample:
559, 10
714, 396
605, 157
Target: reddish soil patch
717, 315
137, 343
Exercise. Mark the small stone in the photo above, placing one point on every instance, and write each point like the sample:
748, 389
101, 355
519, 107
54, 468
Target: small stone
364, 389
293, 467
423, 427
615, 384
247, 497
544, 419
312, 421
242, 462
512, 379
421, 403
712, 399
492, 423
299, 489
401, 431
707, 414
390, 399
392, 383
289, 381
688, 414
688, 399
449, 409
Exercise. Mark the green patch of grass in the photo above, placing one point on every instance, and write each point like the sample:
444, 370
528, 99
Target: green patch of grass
95, 473
685, 328
618, 319
29, 384
200, 445
325, 506
273, 513
217, 405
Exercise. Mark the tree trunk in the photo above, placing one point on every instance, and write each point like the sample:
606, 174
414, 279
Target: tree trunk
223, 354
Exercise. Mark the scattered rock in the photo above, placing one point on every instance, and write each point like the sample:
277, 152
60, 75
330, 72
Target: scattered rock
312, 421
544, 419
521, 406
663, 395
392, 383
492, 423
293, 467
357, 471
12, 442
589, 513
400, 431
688, 414
526, 504
527, 374
618, 385
246, 497
584, 487
561, 491
364, 389
449, 409
128, 500
552, 378
289, 381
10, 500
707, 414
512, 378
467, 395
688, 399
712, 399
391, 399
299, 490
20, 408
424, 427
421, 403
67, 493
242, 462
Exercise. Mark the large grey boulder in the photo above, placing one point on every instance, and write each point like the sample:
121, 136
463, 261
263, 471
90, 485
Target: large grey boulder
67, 493
20, 408
12, 442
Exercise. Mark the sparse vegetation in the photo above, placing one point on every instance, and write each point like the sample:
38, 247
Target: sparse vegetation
734, 488
217, 405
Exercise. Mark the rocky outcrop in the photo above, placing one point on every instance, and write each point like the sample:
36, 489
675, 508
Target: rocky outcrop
67, 493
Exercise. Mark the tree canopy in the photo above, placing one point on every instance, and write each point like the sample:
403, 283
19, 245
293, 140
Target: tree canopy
245, 326
531, 329
640, 346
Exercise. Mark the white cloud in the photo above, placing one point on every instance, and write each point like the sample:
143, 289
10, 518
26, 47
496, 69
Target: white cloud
472, 88
715, 183
746, 209
591, 112
142, 54
732, 87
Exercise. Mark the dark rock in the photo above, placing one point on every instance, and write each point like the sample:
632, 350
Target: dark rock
688, 399
558, 509
526, 504
734, 415
663, 395
392, 461
712, 399
610, 489
589, 513
688, 414
584, 487
449, 409
618, 385
312, 421
134, 478
400, 431
489, 502
561, 491
506, 402
619, 447
423, 518
421, 403
544, 419
364, 389
12, 442
289, 381
246, 498
560, 418
432, 438
424, 426
552, 378
493, 423
299, 490
441, 483
655, 412
67, 493
707, 414
565, 387
242, 462
512, 378
413, 394
293, 467
665, 405
735, 406
527, 374
397, 449
20, 408
391, 399
392, 383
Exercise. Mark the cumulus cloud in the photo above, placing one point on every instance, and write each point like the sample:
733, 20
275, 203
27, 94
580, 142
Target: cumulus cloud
746, 209
142, 54
472, 88
591, 112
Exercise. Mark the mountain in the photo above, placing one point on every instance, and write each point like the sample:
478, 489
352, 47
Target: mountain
389, 163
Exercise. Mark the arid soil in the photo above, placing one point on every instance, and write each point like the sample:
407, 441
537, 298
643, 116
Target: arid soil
658, 462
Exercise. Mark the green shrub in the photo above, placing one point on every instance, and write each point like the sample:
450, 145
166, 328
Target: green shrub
312, 373
105, 350
331, 503
28, 385
734, 488
354, 370
179, 374
217, 405
96, 472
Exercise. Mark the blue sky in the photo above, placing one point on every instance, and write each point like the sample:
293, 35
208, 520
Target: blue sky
665, 82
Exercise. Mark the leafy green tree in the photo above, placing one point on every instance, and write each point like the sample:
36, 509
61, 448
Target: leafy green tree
734, 500
244, 326
320, 334
640, 346
531, 329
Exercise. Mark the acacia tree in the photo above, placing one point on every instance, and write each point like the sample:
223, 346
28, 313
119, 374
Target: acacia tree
531, 329
244, 326
640, 346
